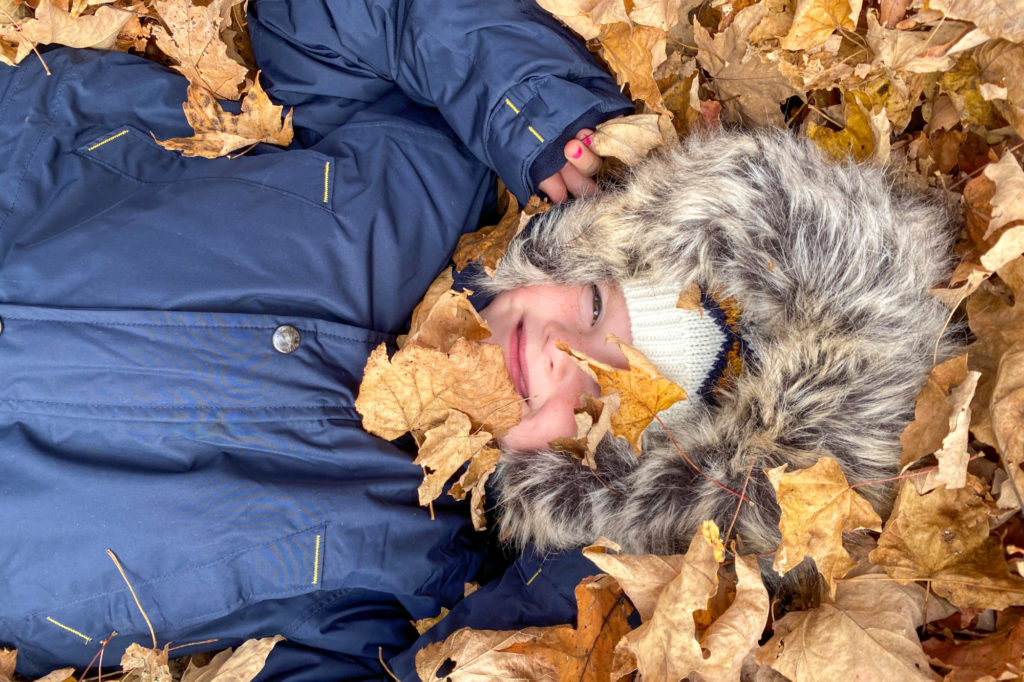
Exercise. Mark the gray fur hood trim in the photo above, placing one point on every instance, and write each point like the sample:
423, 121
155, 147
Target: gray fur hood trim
831, 266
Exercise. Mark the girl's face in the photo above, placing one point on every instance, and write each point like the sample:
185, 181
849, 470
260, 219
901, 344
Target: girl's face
526, 323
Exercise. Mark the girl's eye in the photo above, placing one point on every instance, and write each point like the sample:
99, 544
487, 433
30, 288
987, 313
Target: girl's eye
597, 305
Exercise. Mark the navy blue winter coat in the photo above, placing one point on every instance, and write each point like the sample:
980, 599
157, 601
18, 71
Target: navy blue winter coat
145, 405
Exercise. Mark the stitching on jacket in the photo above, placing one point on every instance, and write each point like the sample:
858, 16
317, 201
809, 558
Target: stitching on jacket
532, 577
71, 630
327, 175
528, 127
109, 139
314, 332
316, 561
511, 106
535, 133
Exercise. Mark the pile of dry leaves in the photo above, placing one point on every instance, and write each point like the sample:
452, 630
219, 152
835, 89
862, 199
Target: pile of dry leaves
934, 591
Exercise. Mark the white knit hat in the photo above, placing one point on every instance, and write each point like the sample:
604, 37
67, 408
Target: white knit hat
692, 348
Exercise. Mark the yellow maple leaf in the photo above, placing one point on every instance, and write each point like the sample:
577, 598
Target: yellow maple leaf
818, 505
190, 35
815, 20
643, 390
218, 133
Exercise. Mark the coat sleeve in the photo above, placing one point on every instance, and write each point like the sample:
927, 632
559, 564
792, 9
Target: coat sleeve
508, 79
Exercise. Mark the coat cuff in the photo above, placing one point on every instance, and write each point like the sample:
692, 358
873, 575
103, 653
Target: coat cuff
533, 120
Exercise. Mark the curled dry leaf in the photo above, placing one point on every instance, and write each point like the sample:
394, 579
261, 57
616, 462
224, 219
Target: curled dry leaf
55, 26
865, 135
663, 14
749, 88
489, 243
1008, 199
561, 652
149, 664
997, 656
444, 449
689, 298
240, 665
866, 633
8, 660
932, 411
192, 38
443, 317
593, 420
943, 537
818, 505
424, 624
1001, 62
630, 138
473, 482
997, 19
643, 390
218, 133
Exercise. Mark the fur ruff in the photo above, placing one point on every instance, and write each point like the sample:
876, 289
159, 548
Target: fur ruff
831, 265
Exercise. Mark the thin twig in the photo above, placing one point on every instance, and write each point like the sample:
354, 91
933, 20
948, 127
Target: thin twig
113, 557
32, 44
743, 492
695, 467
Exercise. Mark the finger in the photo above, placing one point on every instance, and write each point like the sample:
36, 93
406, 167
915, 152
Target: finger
584, 135
576, 183
582, 158
554, 187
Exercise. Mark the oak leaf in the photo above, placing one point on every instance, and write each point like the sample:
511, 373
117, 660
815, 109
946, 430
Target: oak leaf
750, 89
815, 20
630, 138
192, 38
443, 317
55, 26
218, 133
866, 633
818, 505
633, 53
560, 652
643, 391
943, 537
414, 390
238, 665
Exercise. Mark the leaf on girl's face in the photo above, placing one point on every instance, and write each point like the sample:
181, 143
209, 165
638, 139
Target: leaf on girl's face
943, 537
559, 652
643, 390
444, 449
218, 133
55, 26
866, 633
667, 591
240, 665
190, 34
593, 420
818, 505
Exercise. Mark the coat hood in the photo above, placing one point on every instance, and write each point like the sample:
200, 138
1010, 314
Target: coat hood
831, 267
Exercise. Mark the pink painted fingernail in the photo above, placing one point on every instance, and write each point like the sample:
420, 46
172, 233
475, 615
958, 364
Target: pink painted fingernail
579, 152
586, 140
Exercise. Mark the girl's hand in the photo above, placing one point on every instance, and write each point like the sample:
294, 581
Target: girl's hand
576, 176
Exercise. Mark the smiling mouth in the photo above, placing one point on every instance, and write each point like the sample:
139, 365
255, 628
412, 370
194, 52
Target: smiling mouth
517, 360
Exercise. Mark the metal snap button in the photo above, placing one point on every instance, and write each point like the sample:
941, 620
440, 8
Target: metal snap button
286, 339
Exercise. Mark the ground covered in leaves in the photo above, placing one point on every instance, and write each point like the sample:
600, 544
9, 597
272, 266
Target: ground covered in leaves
932, 89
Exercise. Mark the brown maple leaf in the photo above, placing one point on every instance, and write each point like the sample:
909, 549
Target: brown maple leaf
643, 390
560, 652
818, 505
218, 133
191, 36
414, 390
443, 317
473, 481
997, 656
815, 20
586, 17
633, 53
943, 537
444, 449
866, 633
489, 243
